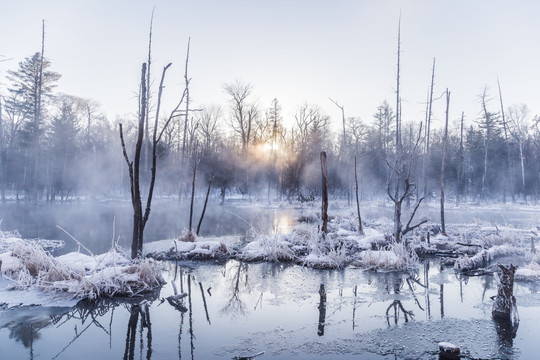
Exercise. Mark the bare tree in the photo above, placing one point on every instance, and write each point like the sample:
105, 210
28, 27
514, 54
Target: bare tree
509, 175
140, 218
489, 123
518, 127
400, 177
243, 113
344, 139
425, 163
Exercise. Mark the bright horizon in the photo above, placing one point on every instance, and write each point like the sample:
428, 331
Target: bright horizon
297, 52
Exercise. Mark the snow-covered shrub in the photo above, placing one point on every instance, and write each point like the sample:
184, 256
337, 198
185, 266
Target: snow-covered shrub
269, 248
335, 258
396, 257
26, 264
188, 236
128, 280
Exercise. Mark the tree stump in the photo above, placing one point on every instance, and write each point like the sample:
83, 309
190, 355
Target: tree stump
505, 307
449, 351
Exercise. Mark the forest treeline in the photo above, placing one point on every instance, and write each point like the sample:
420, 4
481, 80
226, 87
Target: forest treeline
54, 147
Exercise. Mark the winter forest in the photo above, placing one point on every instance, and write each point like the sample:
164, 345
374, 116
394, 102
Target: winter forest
402, 234
56, 147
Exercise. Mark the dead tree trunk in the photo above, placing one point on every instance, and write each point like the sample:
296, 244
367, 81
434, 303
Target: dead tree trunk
134, 173
192, 195
425, 163
343, 141
443, 166
510, 171
205, 203
324, 211
140, 219
360, 229
461, 170
505, 307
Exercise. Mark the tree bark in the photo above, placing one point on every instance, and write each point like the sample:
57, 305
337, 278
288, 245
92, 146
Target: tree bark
324, 212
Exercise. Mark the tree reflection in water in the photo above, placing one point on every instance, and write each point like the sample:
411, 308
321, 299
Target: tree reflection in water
322, 310
27, 332
235, 305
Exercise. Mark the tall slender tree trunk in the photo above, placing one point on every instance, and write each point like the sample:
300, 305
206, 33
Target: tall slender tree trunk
324, 209
186, 119
205, 203
399, 149
428, 130
360, 229
510, 168
443, 166
148, 147
461, 171
192, 195
37, 117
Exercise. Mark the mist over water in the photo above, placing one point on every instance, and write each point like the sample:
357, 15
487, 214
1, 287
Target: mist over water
95, 224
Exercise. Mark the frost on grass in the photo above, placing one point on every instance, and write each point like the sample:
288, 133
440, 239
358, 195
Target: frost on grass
268, 248
27, 265
396, 256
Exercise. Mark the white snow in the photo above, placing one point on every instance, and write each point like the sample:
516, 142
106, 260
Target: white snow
199, 248
530, 272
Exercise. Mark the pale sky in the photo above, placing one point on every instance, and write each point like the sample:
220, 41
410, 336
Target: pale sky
294, 50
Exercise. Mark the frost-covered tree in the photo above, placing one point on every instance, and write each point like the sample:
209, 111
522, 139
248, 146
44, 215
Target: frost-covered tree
243, 113
518, 119
31, 88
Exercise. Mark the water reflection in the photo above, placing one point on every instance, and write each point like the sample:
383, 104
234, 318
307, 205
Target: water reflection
27, 332
322, 310
234, 309
235, 306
